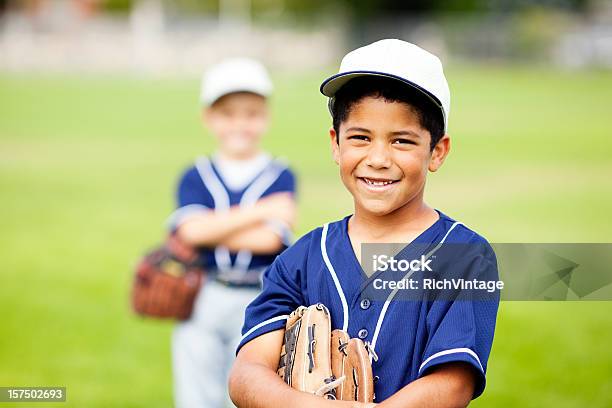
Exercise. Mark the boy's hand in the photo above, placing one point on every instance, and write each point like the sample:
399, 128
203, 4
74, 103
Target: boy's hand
254, 382
278, 206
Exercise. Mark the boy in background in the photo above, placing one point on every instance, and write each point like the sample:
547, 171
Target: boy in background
237, 206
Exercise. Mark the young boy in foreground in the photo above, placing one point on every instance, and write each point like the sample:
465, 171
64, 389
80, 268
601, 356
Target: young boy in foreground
390, 105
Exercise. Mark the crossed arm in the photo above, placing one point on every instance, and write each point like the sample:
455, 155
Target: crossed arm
242, 228
254, 383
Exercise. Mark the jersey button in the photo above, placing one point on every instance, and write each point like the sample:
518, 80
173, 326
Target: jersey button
365, 304
363, 333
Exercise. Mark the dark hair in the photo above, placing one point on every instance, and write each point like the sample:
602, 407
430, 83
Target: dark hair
391, 90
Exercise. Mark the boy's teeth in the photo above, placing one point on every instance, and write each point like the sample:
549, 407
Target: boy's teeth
377, 183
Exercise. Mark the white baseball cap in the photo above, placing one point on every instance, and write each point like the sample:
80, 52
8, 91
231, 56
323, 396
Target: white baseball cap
396, 59
234, 75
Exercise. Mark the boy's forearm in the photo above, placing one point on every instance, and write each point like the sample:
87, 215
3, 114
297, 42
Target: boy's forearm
211, 228
452, 387
259, 239
254, 385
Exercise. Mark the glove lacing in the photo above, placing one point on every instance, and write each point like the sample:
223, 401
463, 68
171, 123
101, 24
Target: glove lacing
327, 389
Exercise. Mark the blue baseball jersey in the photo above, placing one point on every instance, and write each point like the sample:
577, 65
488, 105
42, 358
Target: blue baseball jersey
202, 188
409, 337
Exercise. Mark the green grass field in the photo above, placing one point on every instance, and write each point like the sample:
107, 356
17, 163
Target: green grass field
87, 173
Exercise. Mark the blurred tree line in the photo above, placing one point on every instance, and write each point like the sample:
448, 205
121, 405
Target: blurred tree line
359, 8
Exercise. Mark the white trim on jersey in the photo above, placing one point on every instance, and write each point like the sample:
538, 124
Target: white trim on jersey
451, 351
250, 197
332, 272
213, 184
263, 182
243, 259
222, 203
383, 312
262, 324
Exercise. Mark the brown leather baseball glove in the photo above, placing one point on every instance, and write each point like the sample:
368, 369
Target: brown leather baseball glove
167, 281
350, 359
318, 361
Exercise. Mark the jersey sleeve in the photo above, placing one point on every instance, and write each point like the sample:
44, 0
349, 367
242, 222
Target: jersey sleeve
280, 296
192, 196
462, 330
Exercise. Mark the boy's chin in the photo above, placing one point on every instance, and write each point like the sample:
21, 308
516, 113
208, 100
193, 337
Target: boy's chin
239, 150
378, 208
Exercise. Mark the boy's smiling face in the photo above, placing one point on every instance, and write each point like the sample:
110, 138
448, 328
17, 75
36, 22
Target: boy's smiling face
238, 121
384, 155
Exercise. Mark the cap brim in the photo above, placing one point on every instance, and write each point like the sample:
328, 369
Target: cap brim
331, 85
213, 99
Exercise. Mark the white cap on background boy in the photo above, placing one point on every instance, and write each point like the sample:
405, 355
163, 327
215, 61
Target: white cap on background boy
234, 75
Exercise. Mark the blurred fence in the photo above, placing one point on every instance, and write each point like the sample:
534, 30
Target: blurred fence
149, 40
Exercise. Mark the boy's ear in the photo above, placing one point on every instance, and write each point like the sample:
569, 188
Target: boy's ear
439, 153
334, 145
205, 115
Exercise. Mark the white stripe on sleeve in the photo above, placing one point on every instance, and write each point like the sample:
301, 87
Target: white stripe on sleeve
451, 351
262, 324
